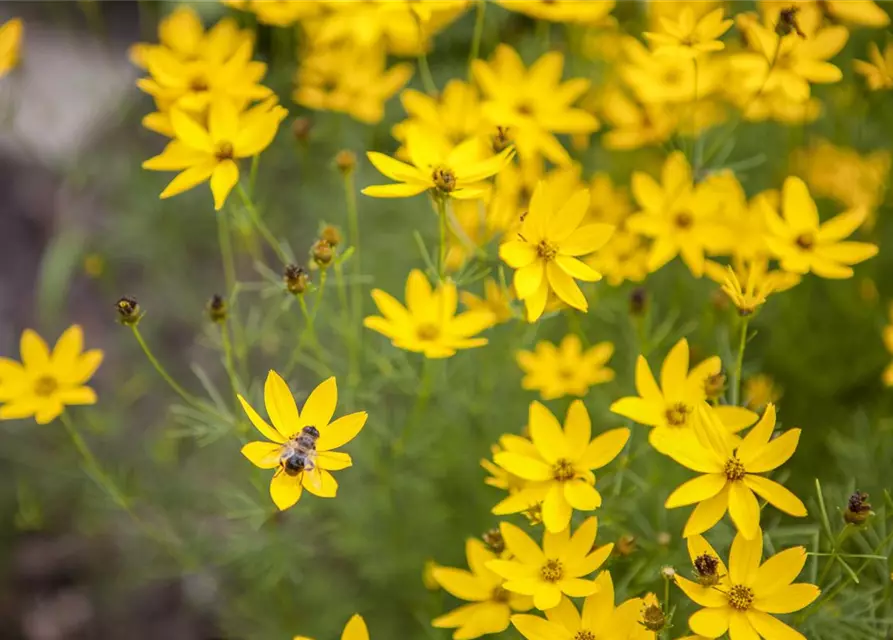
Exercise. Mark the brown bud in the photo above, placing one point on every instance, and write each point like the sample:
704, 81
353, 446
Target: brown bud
322, 253
129, 311
346, 161
653, 618
217, 310
787, 22
296, 279
626, 546
300, 128
706, 570
331, 234
858, 509
493, 539
715, 385
638, 301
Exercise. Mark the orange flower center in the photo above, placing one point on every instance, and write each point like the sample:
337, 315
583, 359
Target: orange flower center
683, 220
734, 470
740, 597
198, 84
499, 595
224, 151
677, 414
552, 571
427, 331
44, 386
805, 241
584, 634
546, 250
563, 470
444, 179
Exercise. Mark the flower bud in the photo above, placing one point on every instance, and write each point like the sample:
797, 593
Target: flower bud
300, 128
653, 618
346, 161
626, 546
638, 301
217, 310
428, 577
331, 234
858, 509
715, 385
667, 572
787, 22
129, 311
493, 539
322, 253
296, 279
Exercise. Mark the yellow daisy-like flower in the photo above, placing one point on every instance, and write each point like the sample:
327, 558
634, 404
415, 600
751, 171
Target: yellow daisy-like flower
560, 469
446, 171
758, 286
878, 71
281, 13
803, 244
599, 618
210, 152
670, 407
428, 323
689, 36
731, 473
566, 369
544, 254
744, 599
10, 44
633, 124
355, 629
455, 114
864, 13
490, 606
497, 301
588, 12
45, 382
559, 567
302, 447
499, 477
761, 390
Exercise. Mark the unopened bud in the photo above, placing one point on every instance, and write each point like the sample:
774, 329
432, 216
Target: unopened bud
331, 234
493, 539
626, 546
638, 301
129, 311
858, 509
715, 385
346, 161
300, 128
217, 309
500, 140
653, 618
296, 279
787, 22
322, 253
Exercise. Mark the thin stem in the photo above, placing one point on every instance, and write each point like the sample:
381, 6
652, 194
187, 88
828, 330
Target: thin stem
228, 362
441, 213
161, 370
226, 252
739, 362
322, 287
356, 298
342, 289
478, 34
425, 71
252, 177
259, 223
421, 403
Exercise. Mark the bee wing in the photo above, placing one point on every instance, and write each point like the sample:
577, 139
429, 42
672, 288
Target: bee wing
313, 475
272, 458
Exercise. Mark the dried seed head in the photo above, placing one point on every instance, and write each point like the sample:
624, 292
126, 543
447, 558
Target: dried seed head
493, 539
129, 311
296, 279
858, 509
500, 140
707, 570
653, 618
322, 253
346, 161
715, 385
217, 309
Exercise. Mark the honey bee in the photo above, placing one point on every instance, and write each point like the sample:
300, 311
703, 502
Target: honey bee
299, 453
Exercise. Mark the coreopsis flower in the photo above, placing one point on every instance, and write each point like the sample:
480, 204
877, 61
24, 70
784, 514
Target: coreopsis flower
670, 408
559, 567
560, 471
758, 284
428, 323
671, 80
349, 78
856, 12
355, 629
623, 258
490, 606
10, 44
447, 172
545, 250
565, 369
803, 244
761, 390
677, 214
497, 300
744, 598
673, 9
689, 36
633, 124
454, 114
280, 13
209, 152
589, 12
45, 382
534, 104
499, 477
599, 618
731, 477
302, 443
878, 71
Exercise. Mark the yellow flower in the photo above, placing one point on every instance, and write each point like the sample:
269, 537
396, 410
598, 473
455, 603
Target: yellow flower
743, 599
670, 408
533, 103
559, 567
858, 12
634, 125
879, 71
544, 255
560, 470
281, 13
588, 12
455, 114
303, 443
624, 257
672, 9
490, 605
888, 343
497, 301
803, 244
210, 152
758, 286
565, 370
44, 382
657, 79
760, 390
11, 33
689, 36
355, 629
599, 618
452, 172
499, 477
677, 214
428, 323
731, 471
350, 79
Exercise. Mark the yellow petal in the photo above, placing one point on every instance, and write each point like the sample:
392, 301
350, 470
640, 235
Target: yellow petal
320, 483
638, 409
517, 253
528, 279
262, 454
35, 353
223, 121
740, 627
707, 514
788, 599
758, 437
604, 448
565, 287
704, 596
68, 347
546, 433
285, 490
744, 510
223, 179
779, 571
769, 627
798, 207
557, 510
776, 495
333, 460
260, 424
521, 545
394, 169
696, 490
587, 239
462, 584
523, 466
577, 428
320, 405
280, 405
355, 629
744, 558
76, 396
581, 495
189, 179
674, 372
394, 190
341, 431
190, 132
711, 623
536, 628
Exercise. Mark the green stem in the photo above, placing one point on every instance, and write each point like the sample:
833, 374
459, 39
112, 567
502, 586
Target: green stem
252, 177
161, 370
739, 362
418, 409
356, 297
226, 252
544, 33
442, 254
229, 365
478, 34
342, 289
322, 287
259, 223
427, 78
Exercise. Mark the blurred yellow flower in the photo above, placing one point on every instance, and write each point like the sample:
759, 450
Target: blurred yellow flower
545, 252
45, 382
499, 477
760, 390
731, 480
11, 35
210, 152
673, 9
497, 301
888, 343
599, 618
634, 124
566, 369
490, 606
689, 36
349, 78
428, 578
674, 80
532, 103
560, 470
588, 12
743, 599
457, 172
302, 443
428, 323
623, 258
878, 71
355, 629
455, 114
857, 12
802, 243
279, 13
670, 408
759, 284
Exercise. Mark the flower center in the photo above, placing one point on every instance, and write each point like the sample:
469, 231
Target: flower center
525, 109
499, 595
534, 513
444, 179
552, 571
805, 241
563, 470
198, 83
546, 250
733, 469
584, 634
677, 414
683, 220
740, 597
44, 386
224, 151
427, 331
